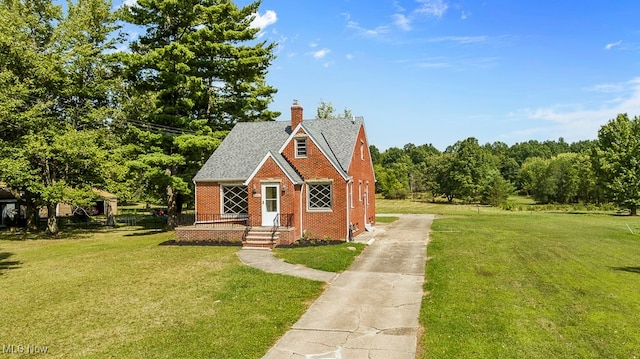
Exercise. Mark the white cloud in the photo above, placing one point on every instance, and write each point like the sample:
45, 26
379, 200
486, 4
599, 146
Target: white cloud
261, 21
434, 65
313, 44
612, 45
397, 6
425, 8
464, 15
607, 88
350, 56
436, 62
455, 63
435, 8
280, 43
367, 32
579, 122
321, 53
460, 39
402, 22
130, 3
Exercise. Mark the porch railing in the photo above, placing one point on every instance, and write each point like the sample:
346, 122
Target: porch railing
222, 220
283, 220
286, 219
229, 220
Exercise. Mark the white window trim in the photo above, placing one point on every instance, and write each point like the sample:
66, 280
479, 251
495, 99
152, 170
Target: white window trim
351, 195
366, 194
324, 209
306, 147
222, 198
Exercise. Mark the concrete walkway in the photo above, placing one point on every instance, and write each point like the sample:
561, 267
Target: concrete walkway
264, 260
371, 310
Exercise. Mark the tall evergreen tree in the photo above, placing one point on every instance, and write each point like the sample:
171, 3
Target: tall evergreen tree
199, 70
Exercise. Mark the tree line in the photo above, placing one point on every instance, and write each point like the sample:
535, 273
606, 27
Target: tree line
605, 170
78, 112
82, 108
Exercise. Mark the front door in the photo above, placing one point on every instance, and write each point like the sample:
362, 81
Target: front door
270, 204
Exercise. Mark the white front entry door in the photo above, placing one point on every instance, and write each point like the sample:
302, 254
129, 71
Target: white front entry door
270, 204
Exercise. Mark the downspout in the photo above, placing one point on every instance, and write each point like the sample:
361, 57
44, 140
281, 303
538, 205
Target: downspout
366, 203
348, 202
301, 192
195, 202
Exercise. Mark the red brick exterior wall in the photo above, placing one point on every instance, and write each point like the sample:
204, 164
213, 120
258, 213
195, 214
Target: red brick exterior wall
224, 235
271, 173
208, 198
209, 235
320, 224
361, 170
315, 167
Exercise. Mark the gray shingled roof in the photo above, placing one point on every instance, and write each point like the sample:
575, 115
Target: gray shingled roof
286, 166
249, 142
336, 137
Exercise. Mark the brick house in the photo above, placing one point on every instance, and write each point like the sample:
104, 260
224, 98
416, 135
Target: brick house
272, 183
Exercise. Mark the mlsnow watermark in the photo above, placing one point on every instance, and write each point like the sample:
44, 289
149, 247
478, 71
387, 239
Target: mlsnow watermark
24, 349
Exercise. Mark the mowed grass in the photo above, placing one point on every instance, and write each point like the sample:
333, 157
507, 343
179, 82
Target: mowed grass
386, 219
532, 285
330, 258
400, 206
121, 294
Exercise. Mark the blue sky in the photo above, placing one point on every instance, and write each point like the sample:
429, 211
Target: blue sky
439, 71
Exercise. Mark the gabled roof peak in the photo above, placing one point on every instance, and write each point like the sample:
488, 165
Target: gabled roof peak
249, 142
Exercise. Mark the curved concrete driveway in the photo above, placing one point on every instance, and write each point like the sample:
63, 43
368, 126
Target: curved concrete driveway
371, 310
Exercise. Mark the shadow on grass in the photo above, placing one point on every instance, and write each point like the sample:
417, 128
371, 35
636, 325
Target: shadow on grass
5, 264
173, 242
145, 233
66, 232
71, 228
627, 269
151, 225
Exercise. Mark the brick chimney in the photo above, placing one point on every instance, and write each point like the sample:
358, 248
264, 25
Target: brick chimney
296, 114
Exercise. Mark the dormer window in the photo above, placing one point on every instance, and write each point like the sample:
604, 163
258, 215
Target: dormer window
301, 147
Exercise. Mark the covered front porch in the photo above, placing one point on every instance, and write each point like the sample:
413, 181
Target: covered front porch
238, 229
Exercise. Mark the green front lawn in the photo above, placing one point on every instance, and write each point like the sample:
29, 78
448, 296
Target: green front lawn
532, 285
421, 207
121, 294
500, 284
386, 219
330, 258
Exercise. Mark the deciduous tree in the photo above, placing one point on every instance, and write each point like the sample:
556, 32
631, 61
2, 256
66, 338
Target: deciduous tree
55, 99
496, 190
327, 111
469, 168
616, 160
